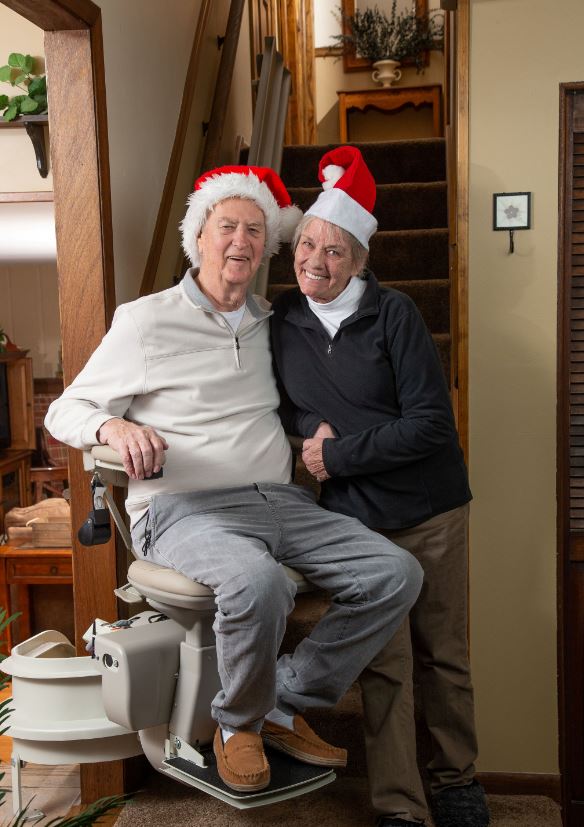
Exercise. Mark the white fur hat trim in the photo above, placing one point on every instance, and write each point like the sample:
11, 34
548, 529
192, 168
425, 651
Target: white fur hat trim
280, 223
336, 206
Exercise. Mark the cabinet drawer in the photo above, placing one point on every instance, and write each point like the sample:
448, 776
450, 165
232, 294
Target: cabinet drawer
47, 568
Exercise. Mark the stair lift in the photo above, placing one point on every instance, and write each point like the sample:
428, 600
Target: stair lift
159, 670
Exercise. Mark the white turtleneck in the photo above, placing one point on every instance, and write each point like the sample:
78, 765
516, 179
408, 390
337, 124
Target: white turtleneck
332, 313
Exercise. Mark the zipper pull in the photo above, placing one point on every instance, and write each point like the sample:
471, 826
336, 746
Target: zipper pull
329, 349
236, 348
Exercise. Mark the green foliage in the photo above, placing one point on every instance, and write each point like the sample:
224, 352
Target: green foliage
403, 34
18, 72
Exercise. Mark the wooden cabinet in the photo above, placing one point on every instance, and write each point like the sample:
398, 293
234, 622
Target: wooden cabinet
20, 401
24, 567
390, 100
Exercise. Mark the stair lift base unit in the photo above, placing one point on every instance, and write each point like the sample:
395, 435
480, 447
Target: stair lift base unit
58, 715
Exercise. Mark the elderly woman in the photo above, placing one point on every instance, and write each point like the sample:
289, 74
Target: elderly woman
362, 381
188, 371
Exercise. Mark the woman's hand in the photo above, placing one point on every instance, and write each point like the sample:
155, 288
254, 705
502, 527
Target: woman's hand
324, 431
140, 447
312, 458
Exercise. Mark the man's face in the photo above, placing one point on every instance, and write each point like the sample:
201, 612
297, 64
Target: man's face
232, 242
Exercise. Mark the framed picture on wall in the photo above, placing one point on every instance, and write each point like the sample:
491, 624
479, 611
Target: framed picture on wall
511, 211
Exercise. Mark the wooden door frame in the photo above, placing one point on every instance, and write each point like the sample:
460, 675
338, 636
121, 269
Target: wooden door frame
457, 131
81, 183
570, 539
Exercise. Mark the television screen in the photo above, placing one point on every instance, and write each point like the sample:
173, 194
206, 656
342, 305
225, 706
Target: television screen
4, 412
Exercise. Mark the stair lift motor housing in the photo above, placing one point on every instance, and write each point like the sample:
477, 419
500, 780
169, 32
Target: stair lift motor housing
139, 668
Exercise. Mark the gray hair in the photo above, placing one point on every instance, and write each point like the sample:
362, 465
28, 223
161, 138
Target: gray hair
359, 255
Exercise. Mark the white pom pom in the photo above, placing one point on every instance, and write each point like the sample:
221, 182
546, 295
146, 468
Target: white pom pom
289, 218
332, 174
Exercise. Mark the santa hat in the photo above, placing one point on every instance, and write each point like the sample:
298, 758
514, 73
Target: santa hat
259, 184
348, 195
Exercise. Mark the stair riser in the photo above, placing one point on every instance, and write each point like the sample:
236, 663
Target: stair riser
407, 207
419, 160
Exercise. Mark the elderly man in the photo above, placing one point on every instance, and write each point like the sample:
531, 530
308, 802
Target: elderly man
188, 371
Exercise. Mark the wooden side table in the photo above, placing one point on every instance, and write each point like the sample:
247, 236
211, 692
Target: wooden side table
24, 567
390, 100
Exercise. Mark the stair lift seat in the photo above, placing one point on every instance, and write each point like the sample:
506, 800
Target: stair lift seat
159, 678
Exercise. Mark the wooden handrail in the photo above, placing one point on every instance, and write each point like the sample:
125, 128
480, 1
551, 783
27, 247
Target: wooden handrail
155, 252
456, 121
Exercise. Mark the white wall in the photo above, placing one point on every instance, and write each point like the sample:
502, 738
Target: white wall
18, 171
147, 47
514, 121
29, 312
29, 306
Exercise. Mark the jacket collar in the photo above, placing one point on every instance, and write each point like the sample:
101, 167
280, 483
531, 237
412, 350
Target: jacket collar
199, 299
298, 312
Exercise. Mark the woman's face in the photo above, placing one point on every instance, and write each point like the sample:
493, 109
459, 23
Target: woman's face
323, 263
231, 244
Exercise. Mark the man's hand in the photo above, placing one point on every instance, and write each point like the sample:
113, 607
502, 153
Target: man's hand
140, 447
312, 458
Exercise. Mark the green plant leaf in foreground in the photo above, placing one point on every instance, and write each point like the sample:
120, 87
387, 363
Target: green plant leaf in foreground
38, 86
18, 61
11, 113
28, 105
5, 73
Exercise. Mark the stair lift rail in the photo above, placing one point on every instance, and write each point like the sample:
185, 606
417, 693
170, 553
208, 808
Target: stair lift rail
269, 124
160, 676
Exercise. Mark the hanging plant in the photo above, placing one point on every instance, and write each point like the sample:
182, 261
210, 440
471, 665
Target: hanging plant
19, 73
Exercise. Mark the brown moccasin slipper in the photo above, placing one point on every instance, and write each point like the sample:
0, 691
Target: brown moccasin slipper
241, 762
304, 744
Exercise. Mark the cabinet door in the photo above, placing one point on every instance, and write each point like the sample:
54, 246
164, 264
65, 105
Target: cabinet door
20, 402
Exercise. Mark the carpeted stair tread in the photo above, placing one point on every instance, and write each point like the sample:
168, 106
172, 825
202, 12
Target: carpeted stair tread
422, 159
407, 206
432, 297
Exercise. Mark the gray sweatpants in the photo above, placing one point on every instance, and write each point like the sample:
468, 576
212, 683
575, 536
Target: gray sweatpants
233, 541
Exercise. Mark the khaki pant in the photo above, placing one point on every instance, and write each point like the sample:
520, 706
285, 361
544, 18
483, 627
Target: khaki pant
437, 631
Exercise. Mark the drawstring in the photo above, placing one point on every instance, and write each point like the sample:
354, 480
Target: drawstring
147, 535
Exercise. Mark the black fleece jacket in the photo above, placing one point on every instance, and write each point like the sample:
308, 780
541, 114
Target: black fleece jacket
379, 383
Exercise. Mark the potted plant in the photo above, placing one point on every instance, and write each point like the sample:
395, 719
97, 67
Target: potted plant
388, 40
18, 72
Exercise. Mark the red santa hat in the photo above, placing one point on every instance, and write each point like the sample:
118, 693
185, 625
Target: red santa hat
348, 195
259, 184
